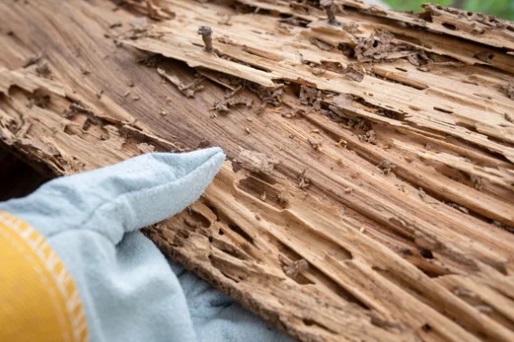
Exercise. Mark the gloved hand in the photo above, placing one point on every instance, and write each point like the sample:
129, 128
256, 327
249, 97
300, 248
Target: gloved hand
73, 266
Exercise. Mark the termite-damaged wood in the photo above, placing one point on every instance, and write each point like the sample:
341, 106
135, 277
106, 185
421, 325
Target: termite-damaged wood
369, 192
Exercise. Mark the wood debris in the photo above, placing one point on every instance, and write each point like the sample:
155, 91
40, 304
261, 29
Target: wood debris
386, 166
369, 136
296, 267
303, 180
427, 94
379, 46
256, 161
189, 90
315, 144
225, 105
43, 70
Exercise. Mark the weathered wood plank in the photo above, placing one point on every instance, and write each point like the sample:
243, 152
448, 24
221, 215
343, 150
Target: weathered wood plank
368, 193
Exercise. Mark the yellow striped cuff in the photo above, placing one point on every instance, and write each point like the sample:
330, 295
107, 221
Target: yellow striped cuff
40, 300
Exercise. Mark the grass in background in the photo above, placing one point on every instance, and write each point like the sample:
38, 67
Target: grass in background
500, 8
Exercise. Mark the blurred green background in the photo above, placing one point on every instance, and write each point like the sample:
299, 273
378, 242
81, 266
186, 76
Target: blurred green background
500, 8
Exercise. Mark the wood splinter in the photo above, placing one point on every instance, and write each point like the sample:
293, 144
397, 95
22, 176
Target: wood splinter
328, 6
339, 251
206, 33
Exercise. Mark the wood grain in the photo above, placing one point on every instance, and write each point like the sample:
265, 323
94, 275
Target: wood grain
368, 191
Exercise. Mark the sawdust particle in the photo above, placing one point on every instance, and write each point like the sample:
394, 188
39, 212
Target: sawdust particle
303, 181
386, 166
342, 142
369, 137
296, 267
283, 200
42, 69
315, 144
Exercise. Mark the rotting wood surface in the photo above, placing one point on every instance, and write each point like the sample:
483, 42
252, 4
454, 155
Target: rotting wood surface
368, 194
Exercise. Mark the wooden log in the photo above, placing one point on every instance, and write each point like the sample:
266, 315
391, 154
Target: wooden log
368, 191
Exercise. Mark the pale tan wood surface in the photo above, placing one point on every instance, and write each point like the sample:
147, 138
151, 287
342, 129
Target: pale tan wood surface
368, 191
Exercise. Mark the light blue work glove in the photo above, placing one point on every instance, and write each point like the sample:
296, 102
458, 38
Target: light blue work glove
127, 287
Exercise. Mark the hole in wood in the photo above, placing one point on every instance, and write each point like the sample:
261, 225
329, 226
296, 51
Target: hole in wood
265, 177
235, 228
426, 253
293, 20
443, 110
264, 192
214, 210
225, 268
310, 322
196, 220
228, 248
450, 26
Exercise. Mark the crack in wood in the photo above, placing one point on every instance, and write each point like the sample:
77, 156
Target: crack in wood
372, 200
